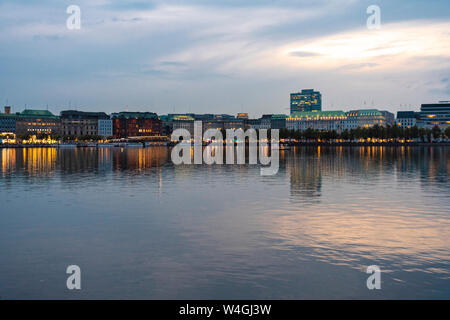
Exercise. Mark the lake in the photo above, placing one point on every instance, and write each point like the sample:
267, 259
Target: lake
140, 227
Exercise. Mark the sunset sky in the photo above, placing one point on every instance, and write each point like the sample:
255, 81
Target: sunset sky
222, 56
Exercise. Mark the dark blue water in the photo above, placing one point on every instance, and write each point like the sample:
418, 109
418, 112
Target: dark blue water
140, 227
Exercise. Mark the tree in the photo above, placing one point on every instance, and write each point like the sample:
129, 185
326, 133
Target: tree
436, 132
447, 132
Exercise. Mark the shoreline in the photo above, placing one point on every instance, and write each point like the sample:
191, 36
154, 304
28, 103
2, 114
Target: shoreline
282, 145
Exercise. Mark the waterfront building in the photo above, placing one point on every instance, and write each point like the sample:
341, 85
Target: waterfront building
105, 128
364, 118
36, 122
183, 122
318, 120
234, 124
278, 121
7, 121
266, 121
435, 114
135, 124
273, 121
80, 123
389, 117
406, 119
253, 124
306, 100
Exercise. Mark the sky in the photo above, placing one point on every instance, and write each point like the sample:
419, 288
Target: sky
222, 56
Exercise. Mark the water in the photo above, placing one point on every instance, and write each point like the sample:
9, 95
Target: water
140, 227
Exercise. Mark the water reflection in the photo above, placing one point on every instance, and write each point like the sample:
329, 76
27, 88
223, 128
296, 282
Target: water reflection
225, 231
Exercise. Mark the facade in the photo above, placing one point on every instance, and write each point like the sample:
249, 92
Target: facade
278, 121
272, 121
105, 128
306, 100
183, 122
36, 122
135, 124
7, 121
319, 120
266, 121
435, 114
335, 120
80, 123
389, 117
253, 124
406, 119
364, 118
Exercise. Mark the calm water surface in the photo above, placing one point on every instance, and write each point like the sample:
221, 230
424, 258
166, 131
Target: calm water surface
140, 227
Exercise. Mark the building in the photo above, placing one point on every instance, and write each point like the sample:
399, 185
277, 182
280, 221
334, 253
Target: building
335, 120
105, 128
364, 118
278, 121
80, 123
406, 119
183, 122
135, 124
435, 114
242, 116
389, 117
253, 124
318, 120
306, 100
36, 122
8, 121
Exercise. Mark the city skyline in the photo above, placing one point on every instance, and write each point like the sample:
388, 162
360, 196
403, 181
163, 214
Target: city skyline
224, 57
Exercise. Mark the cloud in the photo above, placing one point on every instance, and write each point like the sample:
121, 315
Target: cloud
303, 54
258, 50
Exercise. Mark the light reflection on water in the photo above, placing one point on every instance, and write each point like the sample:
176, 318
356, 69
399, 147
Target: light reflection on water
140, 227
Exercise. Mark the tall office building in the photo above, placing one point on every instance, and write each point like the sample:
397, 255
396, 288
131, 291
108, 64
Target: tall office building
306, 100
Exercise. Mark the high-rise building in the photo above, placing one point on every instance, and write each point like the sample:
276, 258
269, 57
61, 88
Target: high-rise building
306, 100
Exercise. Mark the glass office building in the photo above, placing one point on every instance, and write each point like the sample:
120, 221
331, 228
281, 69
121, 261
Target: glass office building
306, 100
435, 114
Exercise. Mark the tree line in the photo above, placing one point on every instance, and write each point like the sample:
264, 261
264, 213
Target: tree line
376, 132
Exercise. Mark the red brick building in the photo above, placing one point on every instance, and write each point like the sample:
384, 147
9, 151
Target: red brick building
135, 124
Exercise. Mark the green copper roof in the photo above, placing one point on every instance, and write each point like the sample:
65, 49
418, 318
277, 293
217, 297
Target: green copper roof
37, 114
28, 113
